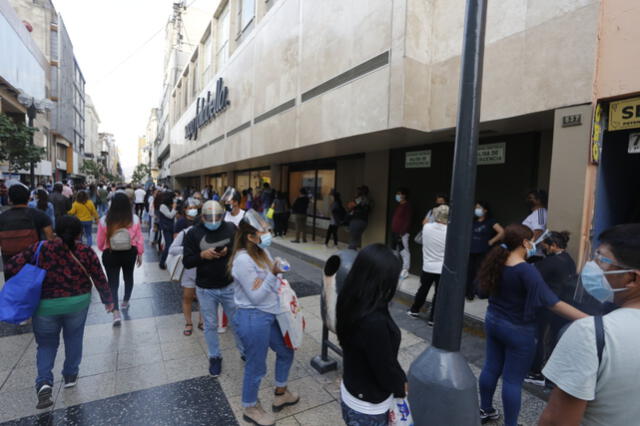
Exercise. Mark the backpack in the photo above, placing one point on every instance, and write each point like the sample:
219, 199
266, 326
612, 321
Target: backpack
23, 234
120, 240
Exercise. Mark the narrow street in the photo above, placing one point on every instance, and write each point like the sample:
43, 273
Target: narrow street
147, 373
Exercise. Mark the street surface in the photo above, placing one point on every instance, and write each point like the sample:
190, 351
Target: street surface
148, 373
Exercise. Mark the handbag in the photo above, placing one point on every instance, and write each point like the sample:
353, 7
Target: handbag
290, 318
400, 413
418, 238
270, 213
20, 296
175, 267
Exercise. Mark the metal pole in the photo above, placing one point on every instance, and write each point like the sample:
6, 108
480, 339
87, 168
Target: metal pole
441, 370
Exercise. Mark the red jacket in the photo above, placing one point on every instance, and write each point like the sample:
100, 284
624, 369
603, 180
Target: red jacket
401, 219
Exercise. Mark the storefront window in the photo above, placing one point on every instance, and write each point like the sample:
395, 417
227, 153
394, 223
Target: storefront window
318, 190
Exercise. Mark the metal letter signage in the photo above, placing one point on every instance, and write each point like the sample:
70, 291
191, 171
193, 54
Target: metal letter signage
572, 120
207, 109
624, 114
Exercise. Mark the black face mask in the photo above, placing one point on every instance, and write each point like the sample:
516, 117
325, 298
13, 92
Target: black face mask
228, 207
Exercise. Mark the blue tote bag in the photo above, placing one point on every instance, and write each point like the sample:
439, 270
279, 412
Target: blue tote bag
20, 296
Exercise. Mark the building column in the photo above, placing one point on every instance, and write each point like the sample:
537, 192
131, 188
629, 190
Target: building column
569, 162
276, 177
376, 177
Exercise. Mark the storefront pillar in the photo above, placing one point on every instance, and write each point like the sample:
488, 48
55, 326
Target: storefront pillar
376, 177
569, 161
276, 177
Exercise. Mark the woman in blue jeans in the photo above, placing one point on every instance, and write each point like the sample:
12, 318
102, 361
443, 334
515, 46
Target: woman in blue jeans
256, 298
516, 290
66, 294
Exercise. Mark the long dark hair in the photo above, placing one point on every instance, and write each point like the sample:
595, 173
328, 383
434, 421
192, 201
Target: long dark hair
490, 272
242, 242
167, 199
43, 200
560, 239
370, 284
82, 197
119, 214
69, 228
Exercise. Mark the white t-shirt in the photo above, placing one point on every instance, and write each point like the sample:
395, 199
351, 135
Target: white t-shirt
139, 194
364, 407
228, 217
537, 220
612, 388
434, 236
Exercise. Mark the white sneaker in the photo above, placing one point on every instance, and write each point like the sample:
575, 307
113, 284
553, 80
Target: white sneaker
404, 274
222, 330
117, 319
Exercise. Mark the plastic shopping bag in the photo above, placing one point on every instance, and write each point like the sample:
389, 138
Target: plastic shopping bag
400, 413
290, 318
20, 295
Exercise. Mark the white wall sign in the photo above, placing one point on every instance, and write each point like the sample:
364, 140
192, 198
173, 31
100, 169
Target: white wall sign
634, 143
494, 153
417, 159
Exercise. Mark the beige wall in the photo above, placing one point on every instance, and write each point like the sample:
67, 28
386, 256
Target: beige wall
540, 55
568, 174
619, 50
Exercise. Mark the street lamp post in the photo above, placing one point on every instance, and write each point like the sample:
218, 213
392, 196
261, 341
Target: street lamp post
443, 389
33, 107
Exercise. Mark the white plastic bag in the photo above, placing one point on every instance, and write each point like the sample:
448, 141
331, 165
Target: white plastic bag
175, 267
400, 413
290, 318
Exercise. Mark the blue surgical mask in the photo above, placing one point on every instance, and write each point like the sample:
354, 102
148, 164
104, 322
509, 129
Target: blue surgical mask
212, 226
478, 212
398, 198
596, 284
265, 240
532, 251
192, 212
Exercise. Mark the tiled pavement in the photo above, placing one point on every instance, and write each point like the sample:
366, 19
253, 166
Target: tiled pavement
147, 372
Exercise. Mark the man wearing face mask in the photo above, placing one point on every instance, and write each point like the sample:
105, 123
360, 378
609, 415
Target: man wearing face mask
231, 201
596, 369
207, 247
400, 224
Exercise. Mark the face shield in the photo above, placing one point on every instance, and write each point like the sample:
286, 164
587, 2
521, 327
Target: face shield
254, 219
228, 195
212, 215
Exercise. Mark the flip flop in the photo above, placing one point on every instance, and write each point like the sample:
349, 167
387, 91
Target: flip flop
188, 329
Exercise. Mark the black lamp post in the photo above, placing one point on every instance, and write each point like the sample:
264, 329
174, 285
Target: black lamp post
33, 107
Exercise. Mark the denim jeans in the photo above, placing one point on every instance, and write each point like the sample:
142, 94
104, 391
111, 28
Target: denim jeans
356, 229
510, 349
87, 229
352, 417
46, 330
209, 299
102, 209
260, 331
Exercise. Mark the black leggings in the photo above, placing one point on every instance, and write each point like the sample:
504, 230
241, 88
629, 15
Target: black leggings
113, 261
332, 231
426, 279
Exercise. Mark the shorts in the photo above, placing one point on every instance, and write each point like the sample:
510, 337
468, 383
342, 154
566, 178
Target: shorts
188, 283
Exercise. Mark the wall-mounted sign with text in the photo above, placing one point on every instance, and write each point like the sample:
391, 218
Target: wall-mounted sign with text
417, 159
494, 153
207, 109
624, 114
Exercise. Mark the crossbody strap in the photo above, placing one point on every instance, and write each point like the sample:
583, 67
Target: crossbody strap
599, 324
81, 266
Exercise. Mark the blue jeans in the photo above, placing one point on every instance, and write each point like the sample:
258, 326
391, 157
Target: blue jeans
260, 331
510, 349
102, 209
87, 229
352, 417
209, 299
46, 330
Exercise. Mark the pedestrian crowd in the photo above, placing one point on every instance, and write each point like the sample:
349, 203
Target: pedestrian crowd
545, 323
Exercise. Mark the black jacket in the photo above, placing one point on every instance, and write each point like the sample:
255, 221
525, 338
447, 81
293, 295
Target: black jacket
300, 205
209, 273
371, 368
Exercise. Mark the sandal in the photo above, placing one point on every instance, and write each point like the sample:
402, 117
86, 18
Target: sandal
200, 326
188, 329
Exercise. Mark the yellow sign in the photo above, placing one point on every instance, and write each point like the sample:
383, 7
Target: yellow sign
624, 114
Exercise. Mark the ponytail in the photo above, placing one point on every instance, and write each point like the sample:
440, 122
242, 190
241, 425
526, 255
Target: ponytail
490, 273
69, 228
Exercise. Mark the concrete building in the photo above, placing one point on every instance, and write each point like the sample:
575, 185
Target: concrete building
341, 93
92, 146
109, 155
23, 71
66, 85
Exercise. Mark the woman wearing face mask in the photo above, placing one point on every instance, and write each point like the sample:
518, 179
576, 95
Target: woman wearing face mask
188, 281
516, 291
256, 296
166, 214
485, 233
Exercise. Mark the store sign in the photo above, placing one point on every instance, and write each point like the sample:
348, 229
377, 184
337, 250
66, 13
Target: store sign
417, 159
599, 125
624, 114
572, 120
634, 143
207, 109
494, 153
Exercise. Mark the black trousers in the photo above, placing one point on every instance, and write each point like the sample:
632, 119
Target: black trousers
139, 209
332, 231
426, 280
475, 260
113, 262
279, 224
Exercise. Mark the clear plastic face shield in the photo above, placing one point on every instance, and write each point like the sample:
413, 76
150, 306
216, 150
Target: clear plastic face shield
593, 282
212, 215
254, 219
228, 197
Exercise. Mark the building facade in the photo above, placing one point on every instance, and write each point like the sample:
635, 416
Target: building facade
92, 146
66, 86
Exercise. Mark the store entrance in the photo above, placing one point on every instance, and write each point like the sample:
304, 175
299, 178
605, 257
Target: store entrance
618, 193
318, 183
